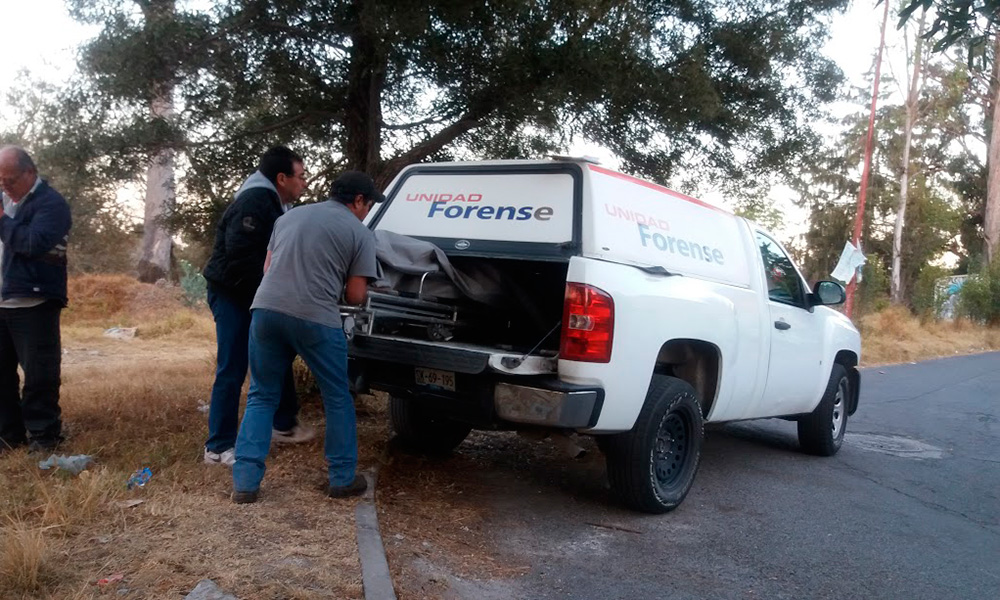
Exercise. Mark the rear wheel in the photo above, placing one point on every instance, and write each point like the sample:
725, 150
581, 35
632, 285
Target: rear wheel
423, 429
652, 467
821, 432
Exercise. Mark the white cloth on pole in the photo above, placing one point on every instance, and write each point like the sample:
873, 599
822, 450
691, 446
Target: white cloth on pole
851, 259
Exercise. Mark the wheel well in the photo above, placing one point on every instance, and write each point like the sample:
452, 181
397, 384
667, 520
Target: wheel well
850, 361
696, 362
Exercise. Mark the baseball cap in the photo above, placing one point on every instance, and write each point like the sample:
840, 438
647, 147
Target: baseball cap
355, 182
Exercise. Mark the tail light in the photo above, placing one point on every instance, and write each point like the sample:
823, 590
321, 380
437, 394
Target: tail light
588, 324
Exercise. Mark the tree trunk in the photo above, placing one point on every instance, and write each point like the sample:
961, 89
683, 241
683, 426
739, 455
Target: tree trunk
157, 244
366, 80
154, 263
991, 214
896, 284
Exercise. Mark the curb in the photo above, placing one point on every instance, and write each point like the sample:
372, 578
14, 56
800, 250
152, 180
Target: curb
375, 577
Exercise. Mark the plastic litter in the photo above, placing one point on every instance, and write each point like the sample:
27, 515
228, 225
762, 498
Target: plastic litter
109, 580
139, 478
121, 333
74, 464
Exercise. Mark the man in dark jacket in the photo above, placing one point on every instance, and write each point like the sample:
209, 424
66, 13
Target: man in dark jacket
34, 229
233, 273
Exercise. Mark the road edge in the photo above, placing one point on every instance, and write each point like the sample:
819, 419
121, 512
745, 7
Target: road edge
375, 577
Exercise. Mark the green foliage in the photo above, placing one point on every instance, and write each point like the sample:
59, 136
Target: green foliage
968, 22
65, 137
941, 197
761, 211
727, 89
873, 291
931, 223
926, 300
193, 283
979, 298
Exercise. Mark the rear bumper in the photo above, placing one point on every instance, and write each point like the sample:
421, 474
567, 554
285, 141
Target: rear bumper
556, 404
485, 399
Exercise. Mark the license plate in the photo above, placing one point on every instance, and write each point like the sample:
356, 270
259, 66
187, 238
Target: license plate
441, 379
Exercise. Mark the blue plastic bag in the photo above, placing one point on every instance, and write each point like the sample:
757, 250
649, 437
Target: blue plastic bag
139, 478
74, 464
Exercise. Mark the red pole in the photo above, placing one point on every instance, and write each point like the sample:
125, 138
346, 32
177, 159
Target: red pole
860, 216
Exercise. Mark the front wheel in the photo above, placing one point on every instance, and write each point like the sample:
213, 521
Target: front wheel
423, 429
821, 432
652, 467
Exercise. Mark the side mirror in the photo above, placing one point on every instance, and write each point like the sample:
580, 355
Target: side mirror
828, 293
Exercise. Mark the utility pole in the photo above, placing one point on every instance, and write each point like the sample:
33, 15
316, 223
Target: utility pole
860, 216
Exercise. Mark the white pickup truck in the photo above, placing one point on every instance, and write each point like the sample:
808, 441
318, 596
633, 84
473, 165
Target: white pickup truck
602, 304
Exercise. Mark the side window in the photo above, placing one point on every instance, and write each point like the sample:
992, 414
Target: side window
783, 281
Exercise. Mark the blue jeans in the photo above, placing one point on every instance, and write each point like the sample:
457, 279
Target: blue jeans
232, 330
275, 339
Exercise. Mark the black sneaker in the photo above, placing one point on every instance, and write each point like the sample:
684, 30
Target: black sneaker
355, 488
245, 497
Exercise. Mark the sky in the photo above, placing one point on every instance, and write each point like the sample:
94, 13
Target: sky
52, 57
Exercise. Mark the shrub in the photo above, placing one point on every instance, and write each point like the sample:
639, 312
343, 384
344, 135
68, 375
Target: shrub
194, 285
873, 291
979, 298
926, 299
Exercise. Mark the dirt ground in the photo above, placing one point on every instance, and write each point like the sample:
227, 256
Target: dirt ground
141, 403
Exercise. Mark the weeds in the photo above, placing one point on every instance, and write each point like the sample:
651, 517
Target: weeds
194, 285
132, 404
895, 335
23, 557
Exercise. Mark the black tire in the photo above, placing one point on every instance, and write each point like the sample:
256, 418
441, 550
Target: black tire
652, 467
424, 430
821, 432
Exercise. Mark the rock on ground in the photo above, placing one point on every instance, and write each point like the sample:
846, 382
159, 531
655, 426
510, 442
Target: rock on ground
207, 590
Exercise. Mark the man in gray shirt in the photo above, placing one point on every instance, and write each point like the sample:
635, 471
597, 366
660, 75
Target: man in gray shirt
317, 254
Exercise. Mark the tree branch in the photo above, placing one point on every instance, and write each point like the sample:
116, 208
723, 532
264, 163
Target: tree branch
251, 132
427, 121
466, 123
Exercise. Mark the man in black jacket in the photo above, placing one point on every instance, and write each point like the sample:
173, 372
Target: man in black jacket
34, 229
233, 273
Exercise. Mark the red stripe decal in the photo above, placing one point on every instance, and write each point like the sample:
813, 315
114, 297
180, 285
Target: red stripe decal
653, 186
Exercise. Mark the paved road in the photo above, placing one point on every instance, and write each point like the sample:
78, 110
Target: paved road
909, 508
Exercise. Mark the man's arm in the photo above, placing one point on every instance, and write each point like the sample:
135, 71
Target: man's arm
267, 261
48, 228
364, 267
249, 228
357, 289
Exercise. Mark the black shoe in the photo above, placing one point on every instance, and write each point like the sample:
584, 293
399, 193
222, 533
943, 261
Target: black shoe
355, 488
245, 497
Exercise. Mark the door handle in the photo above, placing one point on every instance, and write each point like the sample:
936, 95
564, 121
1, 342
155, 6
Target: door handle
781, 325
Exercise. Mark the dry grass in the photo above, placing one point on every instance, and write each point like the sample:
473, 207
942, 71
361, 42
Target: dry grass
98, 302
895, 335
23, 556
132, 404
